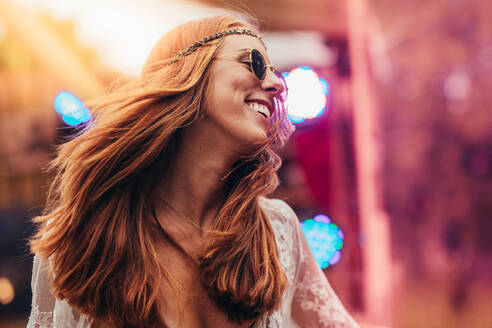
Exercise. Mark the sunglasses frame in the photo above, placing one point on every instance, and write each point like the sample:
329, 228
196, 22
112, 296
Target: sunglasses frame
267, 67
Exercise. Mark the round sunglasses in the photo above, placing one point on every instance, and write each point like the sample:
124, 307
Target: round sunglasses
258, 67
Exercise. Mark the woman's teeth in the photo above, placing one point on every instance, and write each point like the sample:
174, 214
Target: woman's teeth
260, 108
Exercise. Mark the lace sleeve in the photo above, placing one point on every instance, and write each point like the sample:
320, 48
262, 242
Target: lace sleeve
314, 302
46, 310
43, 302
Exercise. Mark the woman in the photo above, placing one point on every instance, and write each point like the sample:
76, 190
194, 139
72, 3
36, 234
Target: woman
157, 215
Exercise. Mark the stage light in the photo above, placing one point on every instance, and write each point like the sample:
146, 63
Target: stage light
72, 109
324, 238
7, 292
307, 94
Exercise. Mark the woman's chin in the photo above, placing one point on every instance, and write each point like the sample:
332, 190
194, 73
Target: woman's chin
253, 144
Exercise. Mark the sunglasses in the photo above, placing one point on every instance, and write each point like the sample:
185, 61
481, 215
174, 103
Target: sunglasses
258, 67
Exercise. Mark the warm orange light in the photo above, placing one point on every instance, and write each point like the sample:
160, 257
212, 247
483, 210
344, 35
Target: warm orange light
6, 291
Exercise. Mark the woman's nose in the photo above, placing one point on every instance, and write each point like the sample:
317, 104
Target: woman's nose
272, 83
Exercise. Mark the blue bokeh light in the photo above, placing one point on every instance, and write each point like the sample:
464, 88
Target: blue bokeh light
324, 238
72, 109
296, 119
325, 87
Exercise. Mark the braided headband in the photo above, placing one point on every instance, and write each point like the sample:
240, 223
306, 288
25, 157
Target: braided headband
209, 38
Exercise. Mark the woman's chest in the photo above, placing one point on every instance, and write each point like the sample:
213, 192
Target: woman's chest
184, 302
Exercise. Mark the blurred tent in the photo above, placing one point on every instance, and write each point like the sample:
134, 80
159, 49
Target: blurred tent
326, 16
37, 61
38, 58
48, 51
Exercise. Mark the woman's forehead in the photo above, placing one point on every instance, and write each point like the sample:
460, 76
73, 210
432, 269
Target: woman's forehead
233, 43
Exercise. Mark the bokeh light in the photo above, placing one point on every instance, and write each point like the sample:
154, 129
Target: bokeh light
457, 85
324, 238
72, 109
307, 94
6, 291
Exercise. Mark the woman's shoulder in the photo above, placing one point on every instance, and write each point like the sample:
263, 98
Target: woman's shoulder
285, 225
277, 209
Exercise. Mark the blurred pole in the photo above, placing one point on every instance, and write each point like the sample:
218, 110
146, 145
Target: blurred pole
49, 51
374, 224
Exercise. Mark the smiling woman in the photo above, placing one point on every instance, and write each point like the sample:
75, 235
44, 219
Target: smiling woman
158, 216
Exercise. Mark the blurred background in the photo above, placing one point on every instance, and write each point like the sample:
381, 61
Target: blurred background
389, 171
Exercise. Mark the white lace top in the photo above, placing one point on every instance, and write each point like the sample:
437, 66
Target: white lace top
308, 302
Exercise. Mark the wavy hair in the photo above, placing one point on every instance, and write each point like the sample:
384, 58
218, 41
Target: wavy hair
96, 228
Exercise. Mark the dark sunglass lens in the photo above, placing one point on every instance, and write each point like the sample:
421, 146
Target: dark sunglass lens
258, 64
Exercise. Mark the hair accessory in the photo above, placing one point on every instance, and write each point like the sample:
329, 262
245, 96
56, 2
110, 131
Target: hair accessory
209, 38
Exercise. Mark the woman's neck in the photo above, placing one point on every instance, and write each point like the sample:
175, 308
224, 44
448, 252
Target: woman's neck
193, 183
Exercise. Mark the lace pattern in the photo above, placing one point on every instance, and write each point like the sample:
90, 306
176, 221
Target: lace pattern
308, 302
283, 235
312, 296
41, 319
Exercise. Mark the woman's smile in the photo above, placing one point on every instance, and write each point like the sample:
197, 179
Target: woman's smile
259, 107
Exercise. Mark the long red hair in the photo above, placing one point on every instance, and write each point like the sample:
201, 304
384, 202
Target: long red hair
97, 225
